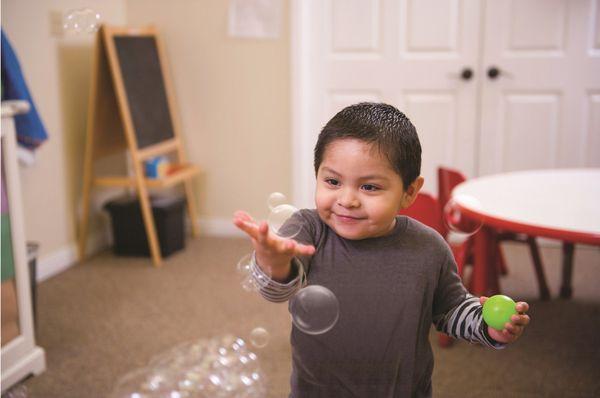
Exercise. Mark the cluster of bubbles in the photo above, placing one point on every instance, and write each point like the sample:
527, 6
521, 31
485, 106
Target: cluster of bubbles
18, 391
81, 20
314, 308
217, 368
461, 224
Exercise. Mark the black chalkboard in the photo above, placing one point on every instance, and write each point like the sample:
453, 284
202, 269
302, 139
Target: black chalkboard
139, 62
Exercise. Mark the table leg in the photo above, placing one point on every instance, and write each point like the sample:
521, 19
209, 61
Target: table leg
568, 250
485, 272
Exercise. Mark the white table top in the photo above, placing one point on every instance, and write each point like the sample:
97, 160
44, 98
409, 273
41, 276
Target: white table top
559, 203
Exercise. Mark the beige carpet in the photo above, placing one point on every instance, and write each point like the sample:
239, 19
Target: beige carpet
100, 320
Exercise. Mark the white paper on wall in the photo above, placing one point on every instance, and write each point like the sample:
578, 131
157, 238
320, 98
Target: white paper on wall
255, 18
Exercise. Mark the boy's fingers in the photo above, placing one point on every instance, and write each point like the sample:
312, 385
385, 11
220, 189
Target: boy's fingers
263, 232
482, 299
246, 226
522, 307
242, 215
520, 319
305, 250
511, 327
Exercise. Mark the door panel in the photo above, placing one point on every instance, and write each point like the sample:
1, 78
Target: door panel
592, 130
380, 50
537, 112
530, 121
417, 17
541, 111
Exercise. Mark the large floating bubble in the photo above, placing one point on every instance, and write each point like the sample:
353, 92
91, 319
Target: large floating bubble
277, 219
455, 219
220, 367
81, 20
314, 309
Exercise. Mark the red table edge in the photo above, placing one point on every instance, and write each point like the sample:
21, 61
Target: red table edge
532, 230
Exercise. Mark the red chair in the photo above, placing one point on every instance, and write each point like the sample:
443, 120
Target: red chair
426, 210
447, 180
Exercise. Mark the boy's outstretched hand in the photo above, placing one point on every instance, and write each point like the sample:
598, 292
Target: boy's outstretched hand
273, 253
513, 329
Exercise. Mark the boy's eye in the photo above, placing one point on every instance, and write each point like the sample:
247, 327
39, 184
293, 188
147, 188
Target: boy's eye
370, 187
332, 181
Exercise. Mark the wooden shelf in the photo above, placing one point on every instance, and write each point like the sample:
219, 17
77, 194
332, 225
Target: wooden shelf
179, 174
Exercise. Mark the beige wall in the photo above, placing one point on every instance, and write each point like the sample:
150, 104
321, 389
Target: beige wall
233, 97
234, 102
57, 68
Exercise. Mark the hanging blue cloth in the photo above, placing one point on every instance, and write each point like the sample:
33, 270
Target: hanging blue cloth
30, 129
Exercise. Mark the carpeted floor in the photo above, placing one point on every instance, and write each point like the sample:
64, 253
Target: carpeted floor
100, 320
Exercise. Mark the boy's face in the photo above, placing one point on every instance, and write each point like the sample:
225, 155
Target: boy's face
358, 192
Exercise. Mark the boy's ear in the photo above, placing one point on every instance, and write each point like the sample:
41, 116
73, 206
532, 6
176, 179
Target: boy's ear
410, 194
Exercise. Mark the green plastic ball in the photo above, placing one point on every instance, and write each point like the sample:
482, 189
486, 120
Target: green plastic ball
497, 310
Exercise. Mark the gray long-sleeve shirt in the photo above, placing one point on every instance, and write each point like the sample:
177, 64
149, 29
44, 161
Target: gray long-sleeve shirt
390, 289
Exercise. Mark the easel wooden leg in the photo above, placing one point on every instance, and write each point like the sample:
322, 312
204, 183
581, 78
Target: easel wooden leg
87, 189
147, 215
191, 205
84, 221
149, 224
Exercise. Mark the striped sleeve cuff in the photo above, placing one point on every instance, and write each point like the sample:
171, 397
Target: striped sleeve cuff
466, 322
275, 291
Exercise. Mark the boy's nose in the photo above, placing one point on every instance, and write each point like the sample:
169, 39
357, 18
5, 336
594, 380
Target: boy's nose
348, 199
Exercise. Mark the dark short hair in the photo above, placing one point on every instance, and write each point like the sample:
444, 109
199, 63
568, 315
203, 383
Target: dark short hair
382, 125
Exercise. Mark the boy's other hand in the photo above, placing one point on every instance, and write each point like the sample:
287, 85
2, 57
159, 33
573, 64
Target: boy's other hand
273, 253
513, 329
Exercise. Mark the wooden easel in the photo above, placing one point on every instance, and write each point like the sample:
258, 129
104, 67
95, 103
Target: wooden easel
122, 115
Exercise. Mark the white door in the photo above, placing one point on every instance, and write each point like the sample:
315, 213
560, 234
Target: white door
543, 108
408, 53
540, 110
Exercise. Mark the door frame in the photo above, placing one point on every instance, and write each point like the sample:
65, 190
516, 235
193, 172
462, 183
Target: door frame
303, 75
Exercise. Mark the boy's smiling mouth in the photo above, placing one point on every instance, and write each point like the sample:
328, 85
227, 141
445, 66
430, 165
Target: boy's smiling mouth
348, 218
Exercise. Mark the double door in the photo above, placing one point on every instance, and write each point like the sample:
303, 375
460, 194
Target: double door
491, 86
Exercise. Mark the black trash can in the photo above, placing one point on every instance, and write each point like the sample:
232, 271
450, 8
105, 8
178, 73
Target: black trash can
129, 232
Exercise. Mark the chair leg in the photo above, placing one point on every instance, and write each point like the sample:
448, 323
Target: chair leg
568, 250
539, 268
459, 253
500, 263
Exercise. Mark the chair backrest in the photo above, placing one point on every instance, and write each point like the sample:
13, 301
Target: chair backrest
426, 210
447, 179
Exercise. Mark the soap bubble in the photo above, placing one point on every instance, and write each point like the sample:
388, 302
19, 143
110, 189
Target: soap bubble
456, 220
81, 20
17, 391
220, 367
314, 309
279, 215
244, 265
251, 282
259, 337
276, 199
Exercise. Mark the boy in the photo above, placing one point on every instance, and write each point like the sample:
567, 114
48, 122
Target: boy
393, 276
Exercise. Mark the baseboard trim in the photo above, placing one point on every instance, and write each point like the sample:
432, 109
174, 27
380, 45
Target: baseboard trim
219, 227
62, 259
